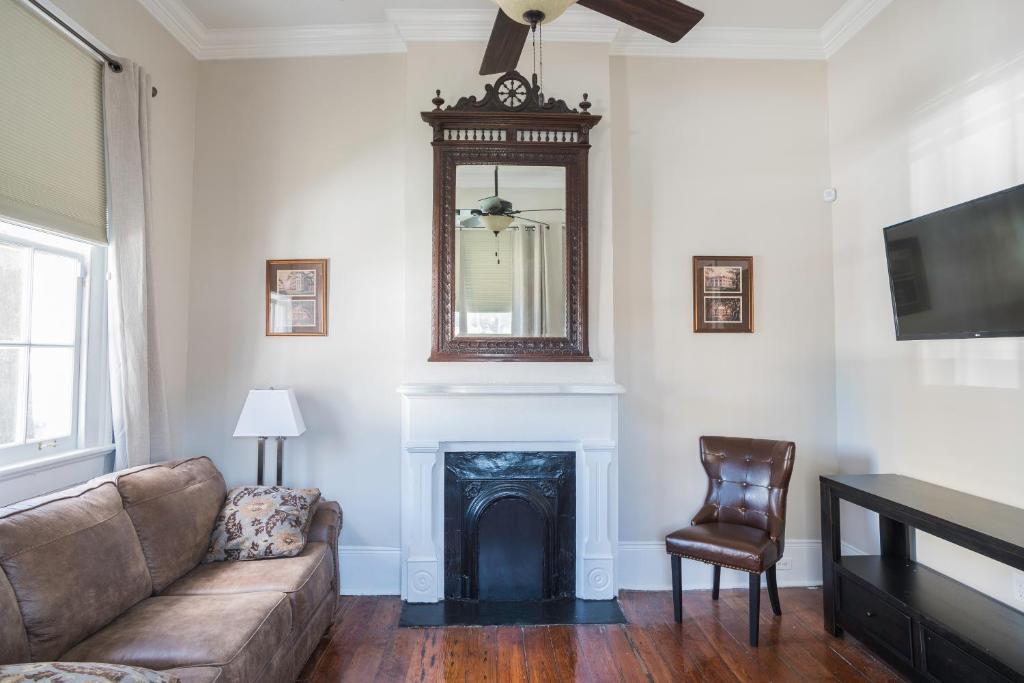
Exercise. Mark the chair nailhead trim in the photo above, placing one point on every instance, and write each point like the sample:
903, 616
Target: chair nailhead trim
720, 564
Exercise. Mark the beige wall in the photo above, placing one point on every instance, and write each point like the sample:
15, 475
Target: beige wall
720, 157
329, 158
129, 30
924, 115
303, 158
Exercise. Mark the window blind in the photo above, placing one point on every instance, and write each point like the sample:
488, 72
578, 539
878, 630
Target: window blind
52, 171
487, 285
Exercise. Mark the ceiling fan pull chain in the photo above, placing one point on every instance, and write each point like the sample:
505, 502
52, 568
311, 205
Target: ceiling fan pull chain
542, 63
533, 34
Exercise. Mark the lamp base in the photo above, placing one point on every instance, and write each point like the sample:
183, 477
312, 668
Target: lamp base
280, 460
261, 449
261, 444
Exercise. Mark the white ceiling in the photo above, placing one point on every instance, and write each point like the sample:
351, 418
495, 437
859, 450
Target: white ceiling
732, 29
227, 14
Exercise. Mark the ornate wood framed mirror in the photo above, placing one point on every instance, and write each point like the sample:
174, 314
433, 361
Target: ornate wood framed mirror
510, 226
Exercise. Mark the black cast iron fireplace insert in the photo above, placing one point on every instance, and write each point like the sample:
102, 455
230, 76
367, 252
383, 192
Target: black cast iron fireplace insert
509, 526
510, 544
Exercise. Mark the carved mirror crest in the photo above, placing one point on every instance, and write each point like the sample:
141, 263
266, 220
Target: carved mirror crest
510, 225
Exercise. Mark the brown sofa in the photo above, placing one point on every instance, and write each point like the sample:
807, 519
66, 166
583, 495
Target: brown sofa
110, 571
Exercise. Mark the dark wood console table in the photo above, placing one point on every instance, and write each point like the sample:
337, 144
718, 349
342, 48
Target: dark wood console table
924, 623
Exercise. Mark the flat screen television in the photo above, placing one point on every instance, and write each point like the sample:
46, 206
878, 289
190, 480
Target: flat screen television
959, 273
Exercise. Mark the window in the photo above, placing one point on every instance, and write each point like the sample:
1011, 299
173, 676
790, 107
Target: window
52, 345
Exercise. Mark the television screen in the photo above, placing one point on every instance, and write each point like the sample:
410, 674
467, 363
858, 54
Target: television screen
959, 272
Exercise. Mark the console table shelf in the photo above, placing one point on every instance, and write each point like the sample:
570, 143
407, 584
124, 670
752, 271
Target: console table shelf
925, 623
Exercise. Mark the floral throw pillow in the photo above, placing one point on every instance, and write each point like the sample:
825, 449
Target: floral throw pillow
81, 672
261, 522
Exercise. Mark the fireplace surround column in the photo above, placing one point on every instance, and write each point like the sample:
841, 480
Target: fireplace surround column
421, 577
602, 496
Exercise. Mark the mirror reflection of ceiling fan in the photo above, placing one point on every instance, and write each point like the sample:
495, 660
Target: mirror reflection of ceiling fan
666, 19
497, 214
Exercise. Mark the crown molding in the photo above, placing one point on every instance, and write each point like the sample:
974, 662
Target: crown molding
404, 26
180, 22
577, 25
848, 21
301, 41
725, 43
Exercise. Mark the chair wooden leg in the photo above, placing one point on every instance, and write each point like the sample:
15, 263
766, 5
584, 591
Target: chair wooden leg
755, 607
717, 582
773, 592
677, 587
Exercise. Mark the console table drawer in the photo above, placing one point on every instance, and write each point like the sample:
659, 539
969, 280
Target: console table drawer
867, 616
945, 661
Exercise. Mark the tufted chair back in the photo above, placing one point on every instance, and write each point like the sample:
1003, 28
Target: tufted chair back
748, 480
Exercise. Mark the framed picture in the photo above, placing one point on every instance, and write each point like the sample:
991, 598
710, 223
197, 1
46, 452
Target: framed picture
723, 293
297, 298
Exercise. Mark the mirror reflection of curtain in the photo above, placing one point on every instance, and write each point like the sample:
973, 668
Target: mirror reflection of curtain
461, 306
530, 286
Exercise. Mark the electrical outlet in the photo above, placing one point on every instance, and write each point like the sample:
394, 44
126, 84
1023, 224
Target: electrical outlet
1018, 586
785, 564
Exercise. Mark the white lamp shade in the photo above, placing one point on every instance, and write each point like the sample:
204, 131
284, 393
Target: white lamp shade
270, 412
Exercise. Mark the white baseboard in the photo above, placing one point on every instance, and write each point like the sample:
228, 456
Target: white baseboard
369, 570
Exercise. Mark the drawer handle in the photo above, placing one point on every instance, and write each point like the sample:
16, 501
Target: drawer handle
869, 613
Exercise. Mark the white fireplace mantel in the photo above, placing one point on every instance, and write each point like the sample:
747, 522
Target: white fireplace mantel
451, 418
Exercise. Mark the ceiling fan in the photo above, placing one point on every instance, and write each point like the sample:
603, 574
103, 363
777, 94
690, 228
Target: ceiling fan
497, 214
666, 19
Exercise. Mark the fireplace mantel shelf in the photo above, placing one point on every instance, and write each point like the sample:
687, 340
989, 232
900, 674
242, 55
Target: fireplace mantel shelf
413, 390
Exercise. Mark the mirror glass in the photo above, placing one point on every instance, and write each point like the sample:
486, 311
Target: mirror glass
510, 256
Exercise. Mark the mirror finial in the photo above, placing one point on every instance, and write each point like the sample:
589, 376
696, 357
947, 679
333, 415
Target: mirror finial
437, 101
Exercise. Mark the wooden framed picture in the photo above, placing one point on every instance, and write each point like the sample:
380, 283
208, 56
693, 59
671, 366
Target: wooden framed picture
297, 298
723, 293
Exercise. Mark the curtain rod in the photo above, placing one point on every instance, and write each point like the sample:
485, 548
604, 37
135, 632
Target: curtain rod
112, 63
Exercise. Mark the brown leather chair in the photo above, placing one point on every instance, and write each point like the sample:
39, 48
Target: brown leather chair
742, 524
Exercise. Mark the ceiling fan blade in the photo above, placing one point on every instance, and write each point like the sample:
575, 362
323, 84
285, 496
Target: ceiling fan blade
506, 44
530, 220
518, 211
667, 19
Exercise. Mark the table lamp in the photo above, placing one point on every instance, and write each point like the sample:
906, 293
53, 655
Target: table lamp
270, 413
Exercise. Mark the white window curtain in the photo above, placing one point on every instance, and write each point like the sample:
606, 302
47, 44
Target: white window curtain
530, 288
139, 411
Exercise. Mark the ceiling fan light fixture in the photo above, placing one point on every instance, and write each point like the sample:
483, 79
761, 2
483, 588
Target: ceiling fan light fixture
496, 223
517, 9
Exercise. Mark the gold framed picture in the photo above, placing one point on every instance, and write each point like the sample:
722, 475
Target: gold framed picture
723, 293
297, 298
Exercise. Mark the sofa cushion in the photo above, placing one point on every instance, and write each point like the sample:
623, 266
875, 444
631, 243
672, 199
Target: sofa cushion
82, 672
74, 563
13, 641
260, 522
173, 506
237, 633
306, 579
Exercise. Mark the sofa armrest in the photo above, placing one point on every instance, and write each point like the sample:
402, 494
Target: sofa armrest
325, 527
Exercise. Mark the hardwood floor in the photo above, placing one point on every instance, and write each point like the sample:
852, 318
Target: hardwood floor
365, 644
